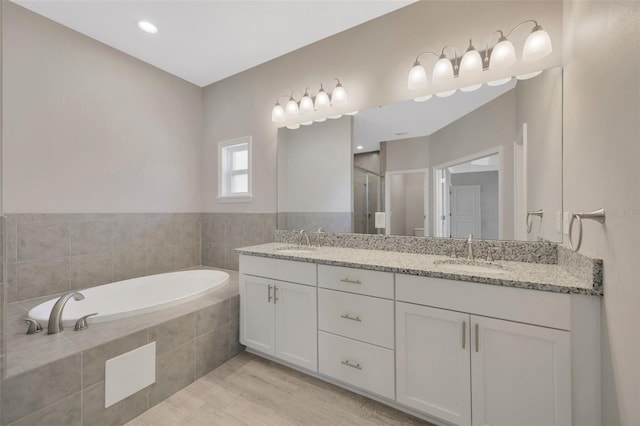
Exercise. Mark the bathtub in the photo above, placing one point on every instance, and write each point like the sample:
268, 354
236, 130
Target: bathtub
122, 299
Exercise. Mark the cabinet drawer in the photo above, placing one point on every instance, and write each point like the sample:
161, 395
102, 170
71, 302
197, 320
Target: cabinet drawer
515, 304
278, 269
362, 281
359, 364
365, 318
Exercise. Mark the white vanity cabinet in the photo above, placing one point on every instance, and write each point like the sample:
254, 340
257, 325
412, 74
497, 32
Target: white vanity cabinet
277, 317
472, 369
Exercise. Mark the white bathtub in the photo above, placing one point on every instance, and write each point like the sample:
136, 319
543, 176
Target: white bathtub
136, 296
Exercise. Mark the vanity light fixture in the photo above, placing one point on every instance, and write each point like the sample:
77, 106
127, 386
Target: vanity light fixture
469, 68
147, 27
305, 111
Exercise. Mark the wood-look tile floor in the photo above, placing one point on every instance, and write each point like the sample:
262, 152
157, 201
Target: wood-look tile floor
249, 390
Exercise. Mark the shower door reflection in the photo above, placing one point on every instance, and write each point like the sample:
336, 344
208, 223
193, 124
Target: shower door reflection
366, 200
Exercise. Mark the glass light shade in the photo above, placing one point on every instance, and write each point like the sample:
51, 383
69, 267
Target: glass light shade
423, 98
529, 75
306, 104
446, 93
537, 45
278, 114
292, 108
503, 55
442, 71
293, 126
471, 65
320, 120
471, 88
307, 123
351, 113
339, 96
335, 117
322, 100
417, 77
499, 82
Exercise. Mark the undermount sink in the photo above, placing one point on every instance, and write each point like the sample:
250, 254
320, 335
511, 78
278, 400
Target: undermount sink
295, 249
471, 266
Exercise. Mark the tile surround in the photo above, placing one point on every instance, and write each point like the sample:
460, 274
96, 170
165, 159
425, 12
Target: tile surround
223, 232
70, 391
329, 221
52, 253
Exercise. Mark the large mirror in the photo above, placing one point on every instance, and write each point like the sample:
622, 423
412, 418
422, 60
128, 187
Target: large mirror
487, 163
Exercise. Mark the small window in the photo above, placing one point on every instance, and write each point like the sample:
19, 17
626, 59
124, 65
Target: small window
234, 161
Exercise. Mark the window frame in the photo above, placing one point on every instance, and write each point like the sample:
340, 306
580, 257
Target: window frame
225, 174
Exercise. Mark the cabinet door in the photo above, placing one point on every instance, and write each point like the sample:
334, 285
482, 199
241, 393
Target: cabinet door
257, 313
521, 374
297, 324
432, 361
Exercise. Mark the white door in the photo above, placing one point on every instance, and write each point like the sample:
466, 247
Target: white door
432, 361
521, 374
297, 324
465, 211
257, 313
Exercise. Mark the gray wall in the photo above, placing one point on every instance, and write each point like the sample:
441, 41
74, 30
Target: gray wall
539, 104
601, 157
89, 129
372, 61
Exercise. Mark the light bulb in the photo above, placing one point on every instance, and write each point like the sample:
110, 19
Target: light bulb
278, 114
442, 71
339, 95
529, 75
471, 65
292, 107
306, 103
499, 82
322, 100
537, 45
417, 77
422, 98
293, 126
446, 93
503, 55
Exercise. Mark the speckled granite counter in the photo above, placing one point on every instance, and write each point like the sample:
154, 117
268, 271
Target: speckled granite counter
537, 276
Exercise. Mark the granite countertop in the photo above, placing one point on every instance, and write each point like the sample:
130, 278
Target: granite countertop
536, 276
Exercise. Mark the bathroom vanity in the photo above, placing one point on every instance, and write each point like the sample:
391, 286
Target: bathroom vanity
448, 340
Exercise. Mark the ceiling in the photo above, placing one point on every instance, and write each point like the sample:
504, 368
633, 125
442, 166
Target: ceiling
412, 119
204, 41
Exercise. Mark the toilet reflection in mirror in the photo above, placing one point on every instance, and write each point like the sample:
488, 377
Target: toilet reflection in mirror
469, 163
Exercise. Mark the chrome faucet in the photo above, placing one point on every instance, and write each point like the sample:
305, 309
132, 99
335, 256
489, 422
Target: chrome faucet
305, 234
470, 247
55, 318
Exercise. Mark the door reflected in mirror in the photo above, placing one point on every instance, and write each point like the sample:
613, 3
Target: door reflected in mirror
472, 163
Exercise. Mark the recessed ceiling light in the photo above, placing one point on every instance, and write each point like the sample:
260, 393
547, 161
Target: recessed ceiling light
147, 27
402, 133
359, 147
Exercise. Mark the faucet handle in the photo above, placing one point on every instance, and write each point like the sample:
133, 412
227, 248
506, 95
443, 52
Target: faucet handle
34, 326
82, 323
489, 254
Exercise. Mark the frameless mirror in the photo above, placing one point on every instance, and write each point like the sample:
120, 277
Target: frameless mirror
487, 163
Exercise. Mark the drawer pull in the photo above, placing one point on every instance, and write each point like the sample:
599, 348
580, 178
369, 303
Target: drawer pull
348, 281
269, 294
348, 364
346, 316
275, 294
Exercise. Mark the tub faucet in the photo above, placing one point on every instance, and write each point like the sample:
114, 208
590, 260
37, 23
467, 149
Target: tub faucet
470, 247
304, 234
55, 318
